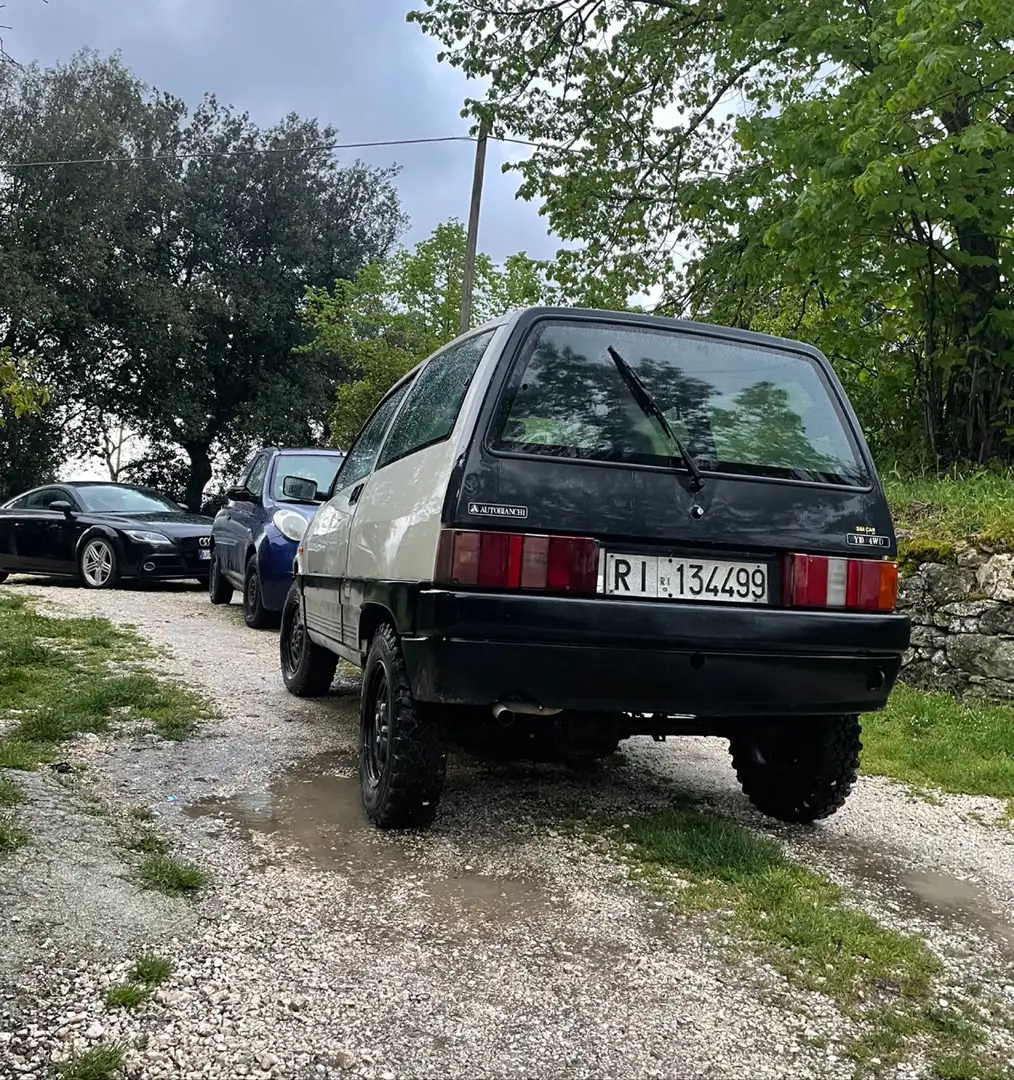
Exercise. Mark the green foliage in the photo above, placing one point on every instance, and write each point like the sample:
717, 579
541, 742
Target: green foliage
62, 677
18, 391
838, 173
167, 875
932, 740
96, 1063
936, 510
187, 333
399, 310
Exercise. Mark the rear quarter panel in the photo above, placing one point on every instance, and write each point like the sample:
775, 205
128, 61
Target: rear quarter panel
398, 519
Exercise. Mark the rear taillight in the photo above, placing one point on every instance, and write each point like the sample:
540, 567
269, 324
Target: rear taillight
496, 560
859, 584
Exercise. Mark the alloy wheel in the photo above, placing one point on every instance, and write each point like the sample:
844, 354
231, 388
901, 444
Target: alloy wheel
97, 563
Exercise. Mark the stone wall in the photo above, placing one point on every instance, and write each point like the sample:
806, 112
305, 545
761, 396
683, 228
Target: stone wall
962, 609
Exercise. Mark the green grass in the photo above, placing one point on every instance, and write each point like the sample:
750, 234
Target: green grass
148, 843
10, 794
98, 1063
12, 836
802, 925
962, 503
167, 875
125, 995
151, 969
60, 678
934, 740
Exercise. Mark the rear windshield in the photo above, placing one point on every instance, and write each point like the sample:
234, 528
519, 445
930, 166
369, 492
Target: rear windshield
318, 467
736, 408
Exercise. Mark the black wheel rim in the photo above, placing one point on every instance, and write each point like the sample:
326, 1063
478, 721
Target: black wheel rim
295, 640
377, 725
251, 592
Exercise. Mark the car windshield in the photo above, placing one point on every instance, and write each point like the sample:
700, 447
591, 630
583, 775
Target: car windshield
112, 499
736, 407
320, 468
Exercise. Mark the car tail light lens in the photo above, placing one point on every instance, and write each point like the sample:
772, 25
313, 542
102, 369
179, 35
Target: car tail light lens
496, 560
817, 581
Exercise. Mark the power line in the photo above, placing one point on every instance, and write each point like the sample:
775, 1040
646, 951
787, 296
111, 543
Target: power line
136, 159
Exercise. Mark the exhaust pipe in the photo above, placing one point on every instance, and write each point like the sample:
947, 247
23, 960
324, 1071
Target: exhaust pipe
505, 711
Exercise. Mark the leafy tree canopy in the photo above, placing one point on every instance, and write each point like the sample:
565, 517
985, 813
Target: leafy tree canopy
160, 281
837, 171
399, 310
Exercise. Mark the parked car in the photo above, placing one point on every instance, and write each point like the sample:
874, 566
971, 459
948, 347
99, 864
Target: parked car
593, 525
256, 532
102, 533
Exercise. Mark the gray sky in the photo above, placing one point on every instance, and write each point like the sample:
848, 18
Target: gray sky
353, 63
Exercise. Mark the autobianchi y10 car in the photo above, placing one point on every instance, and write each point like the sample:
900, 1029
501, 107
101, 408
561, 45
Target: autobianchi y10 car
102, 533
603, 525
256, 533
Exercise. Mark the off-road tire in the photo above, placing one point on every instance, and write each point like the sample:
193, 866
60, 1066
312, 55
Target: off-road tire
255, 614
219, 589
4, 575
307, 670
798, 770
402, 788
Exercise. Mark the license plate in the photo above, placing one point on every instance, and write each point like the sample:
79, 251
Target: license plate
654, 577
203, 554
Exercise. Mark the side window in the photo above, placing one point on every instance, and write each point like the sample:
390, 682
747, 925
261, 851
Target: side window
432, 407
359, 461
39, 500
18, 504
254, 482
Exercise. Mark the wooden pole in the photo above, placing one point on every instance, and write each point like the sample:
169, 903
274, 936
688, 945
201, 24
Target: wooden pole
468, 278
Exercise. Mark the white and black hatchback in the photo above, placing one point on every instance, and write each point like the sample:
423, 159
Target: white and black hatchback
590, 525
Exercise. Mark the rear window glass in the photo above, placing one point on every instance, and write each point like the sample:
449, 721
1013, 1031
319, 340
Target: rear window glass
737, 408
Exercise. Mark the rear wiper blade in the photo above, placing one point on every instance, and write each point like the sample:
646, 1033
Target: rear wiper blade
649, 406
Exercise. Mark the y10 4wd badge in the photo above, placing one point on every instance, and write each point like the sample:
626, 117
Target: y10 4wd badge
479, 509
868, 540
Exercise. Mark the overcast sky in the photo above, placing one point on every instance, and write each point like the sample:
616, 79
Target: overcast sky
355, 64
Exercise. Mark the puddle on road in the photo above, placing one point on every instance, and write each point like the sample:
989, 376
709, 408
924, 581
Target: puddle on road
951, 896
314, 816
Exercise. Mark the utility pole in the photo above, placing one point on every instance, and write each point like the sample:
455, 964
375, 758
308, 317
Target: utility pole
468, 278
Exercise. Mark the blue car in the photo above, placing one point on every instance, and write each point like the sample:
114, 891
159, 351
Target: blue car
253, 538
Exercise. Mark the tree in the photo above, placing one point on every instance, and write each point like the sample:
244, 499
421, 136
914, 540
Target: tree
160, 277
843, 171
399, 310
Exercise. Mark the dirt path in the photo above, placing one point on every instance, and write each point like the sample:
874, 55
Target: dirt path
493, 945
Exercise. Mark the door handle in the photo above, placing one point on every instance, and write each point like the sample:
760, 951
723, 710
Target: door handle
356, 492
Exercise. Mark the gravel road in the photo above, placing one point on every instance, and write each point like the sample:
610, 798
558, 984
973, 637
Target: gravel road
495, 944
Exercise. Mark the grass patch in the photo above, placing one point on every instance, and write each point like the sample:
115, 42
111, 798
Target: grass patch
126, 995
148, 843
800, 923
934, 740
959, 504
12, 836
151, 969
10, 794
60, 678
97, 1063
141, 813
167, 875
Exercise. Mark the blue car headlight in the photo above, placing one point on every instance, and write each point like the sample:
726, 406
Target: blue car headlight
290, 524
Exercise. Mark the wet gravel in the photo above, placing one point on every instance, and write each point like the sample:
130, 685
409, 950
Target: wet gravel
494, 944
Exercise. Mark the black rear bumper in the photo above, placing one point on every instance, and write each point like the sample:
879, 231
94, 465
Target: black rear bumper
707, 660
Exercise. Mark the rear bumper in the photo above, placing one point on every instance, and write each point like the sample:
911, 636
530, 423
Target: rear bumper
604, 655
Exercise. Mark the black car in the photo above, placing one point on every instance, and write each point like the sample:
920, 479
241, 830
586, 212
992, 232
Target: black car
582, 526
102, 533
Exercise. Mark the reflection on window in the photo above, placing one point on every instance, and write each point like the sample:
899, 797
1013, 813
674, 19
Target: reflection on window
364, 450
320, 468
432, 408
736, 407
107, 498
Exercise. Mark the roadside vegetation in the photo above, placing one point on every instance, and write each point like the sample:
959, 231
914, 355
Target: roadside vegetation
96, 1063
886, 982
939, 510
932, 740
60, 678
149, 971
